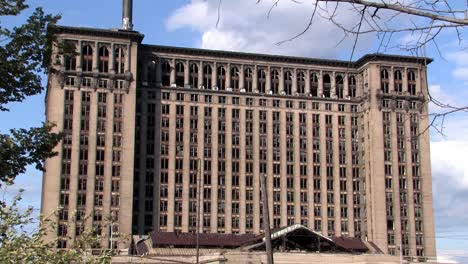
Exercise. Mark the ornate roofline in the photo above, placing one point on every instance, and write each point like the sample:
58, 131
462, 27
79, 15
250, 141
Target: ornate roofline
290, 59
136, 36
112, 33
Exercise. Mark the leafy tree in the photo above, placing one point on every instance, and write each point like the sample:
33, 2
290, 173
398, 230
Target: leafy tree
24, 54
19, 245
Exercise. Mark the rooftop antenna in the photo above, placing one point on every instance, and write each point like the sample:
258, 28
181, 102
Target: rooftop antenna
127, 14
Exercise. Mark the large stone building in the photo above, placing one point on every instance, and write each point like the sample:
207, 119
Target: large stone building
343, 145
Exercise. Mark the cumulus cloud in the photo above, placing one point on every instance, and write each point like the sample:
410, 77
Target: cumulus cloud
460, 61
450, 183
446, 259
246, 26
452, 256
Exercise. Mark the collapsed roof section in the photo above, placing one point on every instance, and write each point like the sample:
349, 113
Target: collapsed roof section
301, 238
295, 238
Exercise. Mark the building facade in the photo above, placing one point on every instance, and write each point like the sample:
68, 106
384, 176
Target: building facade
343, 145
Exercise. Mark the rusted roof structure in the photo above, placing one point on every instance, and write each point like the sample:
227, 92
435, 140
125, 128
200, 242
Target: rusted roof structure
177, 239
350, 243
292, 238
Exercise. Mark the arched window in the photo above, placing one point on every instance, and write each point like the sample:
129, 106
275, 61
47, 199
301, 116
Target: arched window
398, 81
193, 75
221, 81
300, 83
412, 83
384, 81
103, 59
261, 81
248, 79
166, 73
352, 86
119, 63
339, 86
326, 86
288, 83
314, 84
274, 82
180, 74
235, 78
87, 63
207, 76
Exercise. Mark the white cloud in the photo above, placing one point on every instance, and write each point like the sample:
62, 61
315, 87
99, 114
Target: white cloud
449, 158
446, 259
245, 26
461, 73
460, 61
452, 256
459, 57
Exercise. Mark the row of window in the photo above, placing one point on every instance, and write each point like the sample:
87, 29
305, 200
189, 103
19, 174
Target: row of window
398, 82
87, 57
275, 80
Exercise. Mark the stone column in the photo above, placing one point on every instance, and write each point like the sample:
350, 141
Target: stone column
320, 84
297, 176
214, 75
171, 170
187, 73
242, 162
333, 84
281, 82
345, 86
200, 75
96, 57
186, 170
106, 208
214, 171
283, 154
127, 64
310, 175
112, 59
404, 77
241, 77
80, 56
228, 207
256, 171
323, 175
391, 79
307, 82
172, 77
228, 76
268, 88
255, 79
294, 81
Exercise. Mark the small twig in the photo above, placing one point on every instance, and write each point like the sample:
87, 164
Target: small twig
306, 28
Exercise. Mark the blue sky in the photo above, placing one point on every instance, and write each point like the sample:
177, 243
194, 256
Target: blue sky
244, 26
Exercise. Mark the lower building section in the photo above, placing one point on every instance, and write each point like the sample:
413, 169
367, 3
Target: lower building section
292, 244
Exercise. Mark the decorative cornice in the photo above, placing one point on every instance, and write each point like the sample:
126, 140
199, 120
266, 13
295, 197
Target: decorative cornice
288, 59
95, 32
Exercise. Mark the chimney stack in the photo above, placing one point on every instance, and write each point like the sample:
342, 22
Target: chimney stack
127, 14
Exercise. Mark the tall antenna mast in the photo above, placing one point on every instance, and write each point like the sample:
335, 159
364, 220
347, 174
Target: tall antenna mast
127, 15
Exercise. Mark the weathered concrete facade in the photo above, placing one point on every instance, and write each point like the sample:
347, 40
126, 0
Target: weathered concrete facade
343, 145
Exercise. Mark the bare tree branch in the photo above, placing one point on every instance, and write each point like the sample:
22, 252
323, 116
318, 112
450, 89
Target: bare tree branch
434, 15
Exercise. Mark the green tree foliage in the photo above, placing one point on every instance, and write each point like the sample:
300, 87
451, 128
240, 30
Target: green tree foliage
20, 245
25, 52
